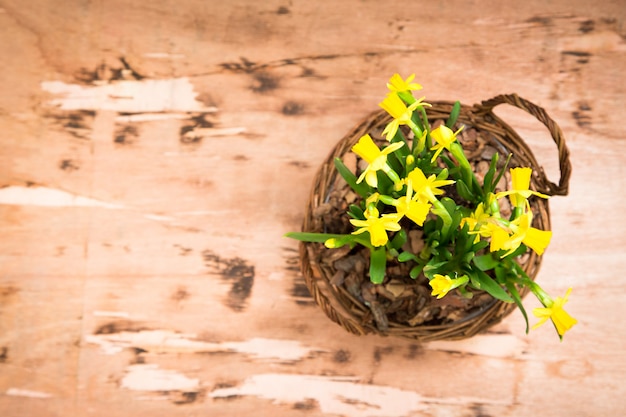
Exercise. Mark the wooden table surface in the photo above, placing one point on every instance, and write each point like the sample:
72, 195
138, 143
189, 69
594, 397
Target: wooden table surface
154, 154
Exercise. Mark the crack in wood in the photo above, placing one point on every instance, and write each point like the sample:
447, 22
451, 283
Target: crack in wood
238, 272
247, 66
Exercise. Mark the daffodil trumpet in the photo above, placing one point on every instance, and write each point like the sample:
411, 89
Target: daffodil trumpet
443, 284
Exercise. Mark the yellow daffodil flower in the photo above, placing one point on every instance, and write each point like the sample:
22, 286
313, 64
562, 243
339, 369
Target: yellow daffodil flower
444, 136
561, 319
377, 226
426, 188
372, 199
476, 219
401, 114
534, 238
443, 284
500, 239
415, 210
331, 243
411, 207
377, 159
398, 85
520, 184
480, 222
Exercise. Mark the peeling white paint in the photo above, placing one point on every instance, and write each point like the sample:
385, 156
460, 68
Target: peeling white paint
149, 377
286, 350
163, 55
18, 392
276, 276
491, 345
335, 395
48, 197
344, 396
150, 117
593, 42
168, 95
159, 217
165, 341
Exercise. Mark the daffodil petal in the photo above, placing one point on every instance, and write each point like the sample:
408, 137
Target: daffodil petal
536, 239
366, 149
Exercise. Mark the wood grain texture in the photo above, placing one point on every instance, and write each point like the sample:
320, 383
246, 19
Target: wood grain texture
154, 153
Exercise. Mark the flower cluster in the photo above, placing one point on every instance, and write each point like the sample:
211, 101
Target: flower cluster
469, 242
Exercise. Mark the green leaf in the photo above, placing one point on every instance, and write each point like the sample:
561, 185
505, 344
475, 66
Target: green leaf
452, 167
416, 118
521, 274
443, 174
362, 239
518, 301
361, 189
404, 151
503, 274
467, 258
485, 262
477, 189
517, 252
445, 253
449, 204
385, 185
485, 282
399, 239
355, 212
314, 237
407, 256
501, 173
433, 267
378, 264
454, 114
482, 244
399, 136
415, 271
454, 215
464, 191
488, 180
463, 248
396, 160
425, 124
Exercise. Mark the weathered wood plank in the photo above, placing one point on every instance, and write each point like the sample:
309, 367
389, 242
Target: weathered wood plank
155, 154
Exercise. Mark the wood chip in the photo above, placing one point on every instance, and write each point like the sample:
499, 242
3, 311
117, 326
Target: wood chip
416, 240
379, 316
349, 160
395, 287
338, 278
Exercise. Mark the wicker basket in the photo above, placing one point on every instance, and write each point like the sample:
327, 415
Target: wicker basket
354, 315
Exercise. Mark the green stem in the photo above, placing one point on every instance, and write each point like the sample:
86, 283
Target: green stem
418, 134
467, 173
517, 211
393, 176
543, 296
407, 97
426, 126
441, 211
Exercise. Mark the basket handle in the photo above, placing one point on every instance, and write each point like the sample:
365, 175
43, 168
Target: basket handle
540, 114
